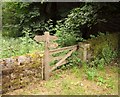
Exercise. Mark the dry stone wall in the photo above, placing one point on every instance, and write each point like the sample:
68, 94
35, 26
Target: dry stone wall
17, 72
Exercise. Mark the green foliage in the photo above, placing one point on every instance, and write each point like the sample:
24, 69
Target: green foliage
101, 61
91, 73
79, 17
104, 48
69, 29
101, 64
13, 17
15, 47
104, 43
97, 63
108, 54
104, 51
19, 16
66, 39
74, 59
108, 83
101, 81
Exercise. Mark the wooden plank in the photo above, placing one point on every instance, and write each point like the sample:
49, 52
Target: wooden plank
53, 37
61, 49
42, 72
53, 45
64, 58
54, 52
39, 38
64, 62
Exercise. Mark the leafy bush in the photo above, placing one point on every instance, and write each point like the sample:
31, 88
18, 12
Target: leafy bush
104, 43
91, 73
97, 63
69, 29
74, 59
79, 17
104, 49
66, 39
101, 64
108, 54
101, 81
13, 17
19, 16
14, 47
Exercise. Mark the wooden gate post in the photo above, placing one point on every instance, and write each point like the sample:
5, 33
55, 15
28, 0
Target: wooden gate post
46, 69
46, 38
85, 52
83, 49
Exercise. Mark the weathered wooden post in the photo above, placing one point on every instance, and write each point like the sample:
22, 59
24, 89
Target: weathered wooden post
85, 52
46, 38
46, 58
83, 49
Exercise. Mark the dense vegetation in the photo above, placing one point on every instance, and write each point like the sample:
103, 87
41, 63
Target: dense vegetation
18, 46
35, 18
21, 19
95, 23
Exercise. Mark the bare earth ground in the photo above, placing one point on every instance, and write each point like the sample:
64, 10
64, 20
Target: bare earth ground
73, 81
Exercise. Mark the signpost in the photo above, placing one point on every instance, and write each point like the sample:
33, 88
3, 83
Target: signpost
46, 38
40, 38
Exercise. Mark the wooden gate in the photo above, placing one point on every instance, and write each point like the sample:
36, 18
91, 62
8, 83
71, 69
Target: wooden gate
47, 38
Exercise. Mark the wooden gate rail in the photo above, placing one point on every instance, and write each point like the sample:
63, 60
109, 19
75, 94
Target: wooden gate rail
60, 63
62, 49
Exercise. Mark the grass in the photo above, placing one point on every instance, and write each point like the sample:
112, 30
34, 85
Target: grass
73, 81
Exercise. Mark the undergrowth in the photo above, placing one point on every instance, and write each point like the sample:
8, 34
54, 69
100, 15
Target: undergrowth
93, 65
18, 46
